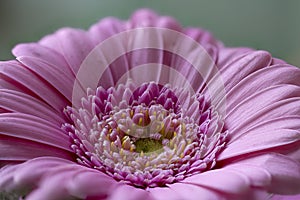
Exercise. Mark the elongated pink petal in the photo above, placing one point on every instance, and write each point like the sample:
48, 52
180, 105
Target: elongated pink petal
257, 102
14, 150
286, 107
16, 72
73, 44
162, 193
261, 79
229, 55
241, 68
284, 171
259, 177
276, 133
130, 192
222, 180
194, 192
32, 128
285, 197
47, 55
18, 102
105, 28
46, 173
59, 79
28, 174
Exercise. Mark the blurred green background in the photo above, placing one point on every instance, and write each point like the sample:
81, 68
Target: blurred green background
272, 25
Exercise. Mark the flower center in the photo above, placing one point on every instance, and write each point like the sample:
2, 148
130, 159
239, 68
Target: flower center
146, 136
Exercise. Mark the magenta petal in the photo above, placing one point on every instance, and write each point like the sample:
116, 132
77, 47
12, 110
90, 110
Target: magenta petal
230, 55
194, 192
276, 133
237, 118
32, 128
243, 67
162, 193
61, 80
88, 183
47, 55
28, 81
285, 197
14, 150
261, 79
14, 101
143, 18
27, 174
259, 177
105, 28
130, 192
285, 172
73, 44
55, 178
222, 180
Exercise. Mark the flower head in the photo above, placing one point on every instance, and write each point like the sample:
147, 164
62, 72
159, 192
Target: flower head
146, 109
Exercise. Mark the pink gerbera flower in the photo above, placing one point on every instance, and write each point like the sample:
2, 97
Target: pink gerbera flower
146, 109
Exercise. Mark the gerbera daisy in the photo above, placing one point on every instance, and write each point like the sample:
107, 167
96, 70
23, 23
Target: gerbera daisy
147, 109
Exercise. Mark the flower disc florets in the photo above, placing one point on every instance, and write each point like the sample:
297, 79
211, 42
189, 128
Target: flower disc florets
143, 135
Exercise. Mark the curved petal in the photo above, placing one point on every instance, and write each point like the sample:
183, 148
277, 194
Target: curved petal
28, 174
44, 175
105, 28
14, 150
284, 171
261, 79
18, 102
234, 72
61, 81
195, 192
229, 55
285, 197
47, 55
130, 192
73, 44
256, 103
277, 134
24, 78
35, 129
285, 107
162, 193
222, 180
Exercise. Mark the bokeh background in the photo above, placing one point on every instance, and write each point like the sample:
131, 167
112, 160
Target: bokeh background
272, 25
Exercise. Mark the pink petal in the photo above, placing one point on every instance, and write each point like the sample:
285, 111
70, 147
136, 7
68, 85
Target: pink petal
259, 177
32, 128
264, 137
47, 55
105, 28
261, 79
284, 171
143, 18
238, 120
230, 55
59, 79
56, 178
73, 44
285, 197
27, 174
162, 193
246, 65
130, 192
87, 182
222, 180
14, 150
194, 192
24, 78
14, 101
